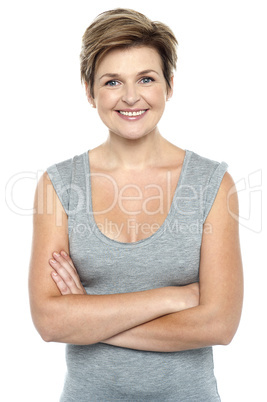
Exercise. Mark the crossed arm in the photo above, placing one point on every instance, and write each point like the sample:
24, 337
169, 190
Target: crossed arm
165, 319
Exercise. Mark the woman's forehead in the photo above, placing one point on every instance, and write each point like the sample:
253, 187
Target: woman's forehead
118, 61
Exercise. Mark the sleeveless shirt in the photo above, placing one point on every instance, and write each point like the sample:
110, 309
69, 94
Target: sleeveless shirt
169, 257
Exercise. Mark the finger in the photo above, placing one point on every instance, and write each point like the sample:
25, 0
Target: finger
67, 263
62, 287
64, 276
68, 259
71, 280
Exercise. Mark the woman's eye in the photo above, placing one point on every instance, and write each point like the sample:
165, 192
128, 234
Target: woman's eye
147, 80
112, 83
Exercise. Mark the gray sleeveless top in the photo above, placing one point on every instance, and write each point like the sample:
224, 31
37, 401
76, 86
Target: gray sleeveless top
169, 257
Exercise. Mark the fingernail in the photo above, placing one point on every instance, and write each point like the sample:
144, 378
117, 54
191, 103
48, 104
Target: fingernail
55, 254
64, 253
53, 261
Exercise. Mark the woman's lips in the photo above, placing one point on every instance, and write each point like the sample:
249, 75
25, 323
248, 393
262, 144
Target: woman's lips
132, 115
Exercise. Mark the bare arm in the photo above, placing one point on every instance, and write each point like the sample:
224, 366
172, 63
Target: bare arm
216, 319
80, 318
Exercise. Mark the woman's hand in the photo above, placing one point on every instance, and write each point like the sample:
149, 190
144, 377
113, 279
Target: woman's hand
68, 282
65, 275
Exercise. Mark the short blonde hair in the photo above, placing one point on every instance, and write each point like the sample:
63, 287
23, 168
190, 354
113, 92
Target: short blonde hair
124, 28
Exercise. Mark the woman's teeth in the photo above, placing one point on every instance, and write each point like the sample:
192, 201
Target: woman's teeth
132, 113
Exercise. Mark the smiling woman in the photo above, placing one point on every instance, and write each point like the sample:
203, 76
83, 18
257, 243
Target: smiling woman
146, 274
131, 95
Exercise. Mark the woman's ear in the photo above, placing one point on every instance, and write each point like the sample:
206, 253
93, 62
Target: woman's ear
89, 96
170, 90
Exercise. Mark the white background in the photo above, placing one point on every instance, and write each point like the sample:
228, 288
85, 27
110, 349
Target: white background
218, 110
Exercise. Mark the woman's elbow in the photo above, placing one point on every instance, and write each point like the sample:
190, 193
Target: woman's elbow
45, 323
46, 335
225, 332
225, 339
43, 327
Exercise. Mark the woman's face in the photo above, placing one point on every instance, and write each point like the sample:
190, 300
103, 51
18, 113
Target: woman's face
130, 91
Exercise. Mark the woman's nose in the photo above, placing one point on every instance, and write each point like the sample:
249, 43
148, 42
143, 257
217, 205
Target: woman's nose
130, 95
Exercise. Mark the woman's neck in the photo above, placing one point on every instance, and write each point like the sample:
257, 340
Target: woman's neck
137, 154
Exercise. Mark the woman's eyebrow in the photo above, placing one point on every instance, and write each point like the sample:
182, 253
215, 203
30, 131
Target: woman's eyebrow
147, 72
114, 75
109, 75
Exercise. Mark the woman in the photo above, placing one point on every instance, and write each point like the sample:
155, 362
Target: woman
146, 275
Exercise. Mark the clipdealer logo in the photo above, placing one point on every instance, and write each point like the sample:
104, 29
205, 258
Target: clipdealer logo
249, 191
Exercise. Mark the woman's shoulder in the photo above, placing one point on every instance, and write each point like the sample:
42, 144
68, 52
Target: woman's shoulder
61, 173
63, 170
203, 171
201, 165
202, 161
65, 175
67, 163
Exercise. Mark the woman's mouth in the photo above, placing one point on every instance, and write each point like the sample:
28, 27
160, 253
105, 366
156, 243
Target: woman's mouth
132, 115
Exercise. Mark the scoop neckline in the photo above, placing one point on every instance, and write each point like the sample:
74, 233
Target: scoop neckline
141, 242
